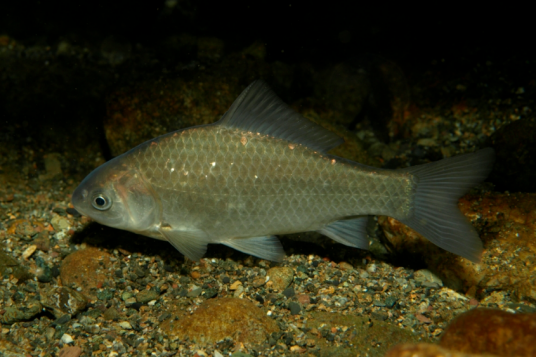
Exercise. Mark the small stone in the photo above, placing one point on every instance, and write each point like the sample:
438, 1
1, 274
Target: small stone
289, 292
130, 301
345, 266
9, 265
280, 277
294, 308
195, 292
125, 325
390, 301
29, 251
70, 351
304, 299
146, 296
238, 291
105, 294
259, 281
19, 313
235, 285
66, 339
427, 278
371, 268
297, 349
210, 293
111, 314
63, 300
60, 223
363, 274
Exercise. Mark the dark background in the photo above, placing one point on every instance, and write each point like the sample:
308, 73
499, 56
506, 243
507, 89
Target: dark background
325, 32
48, 100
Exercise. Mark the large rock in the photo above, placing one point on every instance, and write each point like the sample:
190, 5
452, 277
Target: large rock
217, 319
492, 331
87, 269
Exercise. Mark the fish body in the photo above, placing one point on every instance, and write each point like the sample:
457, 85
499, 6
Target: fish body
263, 170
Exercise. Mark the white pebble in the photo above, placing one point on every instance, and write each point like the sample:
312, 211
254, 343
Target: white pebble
126, 325
66, 339
371, 268
29, 251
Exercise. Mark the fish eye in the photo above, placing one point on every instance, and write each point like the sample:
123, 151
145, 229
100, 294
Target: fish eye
101, 202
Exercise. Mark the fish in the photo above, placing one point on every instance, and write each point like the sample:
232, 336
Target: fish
264, 170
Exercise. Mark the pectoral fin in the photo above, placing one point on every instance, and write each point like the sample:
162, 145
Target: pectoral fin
191, 243
268, 248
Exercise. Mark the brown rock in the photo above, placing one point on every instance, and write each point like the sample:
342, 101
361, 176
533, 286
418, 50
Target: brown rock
506, 224
492, 331
86, 268
70, 351
9, 265
280, 277
216, 319
304, 299
345, 266
427, 350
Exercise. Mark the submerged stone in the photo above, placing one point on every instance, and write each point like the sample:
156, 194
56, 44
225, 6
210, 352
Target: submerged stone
492, 331
216, 319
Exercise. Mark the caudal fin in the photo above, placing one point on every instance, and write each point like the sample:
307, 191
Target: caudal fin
436, 214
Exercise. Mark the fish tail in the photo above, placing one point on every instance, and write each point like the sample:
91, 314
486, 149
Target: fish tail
436, 215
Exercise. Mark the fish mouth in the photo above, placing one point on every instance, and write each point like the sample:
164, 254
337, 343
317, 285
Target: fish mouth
79, 198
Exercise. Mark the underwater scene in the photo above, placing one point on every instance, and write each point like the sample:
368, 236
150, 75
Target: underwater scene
182, 178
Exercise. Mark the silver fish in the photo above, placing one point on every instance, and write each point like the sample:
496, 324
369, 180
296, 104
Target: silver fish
263, 170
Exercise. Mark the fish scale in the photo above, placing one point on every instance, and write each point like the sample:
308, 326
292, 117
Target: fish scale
264, 170
264, 186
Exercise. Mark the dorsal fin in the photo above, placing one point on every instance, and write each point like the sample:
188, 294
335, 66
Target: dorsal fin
258, 109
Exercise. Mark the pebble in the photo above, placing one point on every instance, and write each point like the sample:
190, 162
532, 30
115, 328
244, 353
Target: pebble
70, 351
280, 277
19, 313
146, 295
63, 300
59, 223
66, 339
427, 278
371, 268
289, 292
9, 265
125, 325
294, 308
29, 251
111, 314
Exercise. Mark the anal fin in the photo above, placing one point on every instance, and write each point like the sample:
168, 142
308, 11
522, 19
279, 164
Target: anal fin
350, 232
268, 248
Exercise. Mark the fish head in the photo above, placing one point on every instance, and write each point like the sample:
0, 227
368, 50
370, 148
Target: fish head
116, 195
